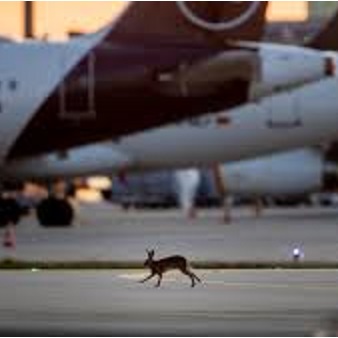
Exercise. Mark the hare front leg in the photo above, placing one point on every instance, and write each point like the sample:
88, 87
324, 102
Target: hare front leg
147, 278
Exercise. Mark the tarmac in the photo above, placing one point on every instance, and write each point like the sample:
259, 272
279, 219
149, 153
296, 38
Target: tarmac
227, 303
104, 232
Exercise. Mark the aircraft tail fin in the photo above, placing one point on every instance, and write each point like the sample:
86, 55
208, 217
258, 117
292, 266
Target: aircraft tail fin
326, 39
200, 22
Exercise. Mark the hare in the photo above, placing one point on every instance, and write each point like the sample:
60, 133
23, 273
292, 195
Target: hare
161, 266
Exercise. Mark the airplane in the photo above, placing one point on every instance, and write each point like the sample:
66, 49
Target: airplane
281, 115
248, 131
134, 74
292, 173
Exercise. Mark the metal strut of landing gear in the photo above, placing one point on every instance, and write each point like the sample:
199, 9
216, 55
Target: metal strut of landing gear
53, 212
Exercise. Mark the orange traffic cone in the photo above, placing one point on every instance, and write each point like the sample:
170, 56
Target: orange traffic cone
9, 240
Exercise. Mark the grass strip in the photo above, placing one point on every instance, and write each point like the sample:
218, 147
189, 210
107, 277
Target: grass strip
15, 264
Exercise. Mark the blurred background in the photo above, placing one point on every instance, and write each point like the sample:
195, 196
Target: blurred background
57, 20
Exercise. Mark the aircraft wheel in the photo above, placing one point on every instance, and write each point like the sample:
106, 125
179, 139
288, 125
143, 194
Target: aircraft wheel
54, 212
10, 212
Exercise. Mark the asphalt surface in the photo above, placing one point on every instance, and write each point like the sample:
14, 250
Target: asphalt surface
227, 303
230, 303
104, 232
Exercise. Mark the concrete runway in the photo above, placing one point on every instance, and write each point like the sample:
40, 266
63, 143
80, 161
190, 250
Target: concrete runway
104, 232
228, 303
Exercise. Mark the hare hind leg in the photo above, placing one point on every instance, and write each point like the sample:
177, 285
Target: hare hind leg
191, 275
194, 276
159, 280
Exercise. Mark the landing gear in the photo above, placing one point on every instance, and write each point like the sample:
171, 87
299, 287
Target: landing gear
227, 206
53, 211
10, 212
258, 207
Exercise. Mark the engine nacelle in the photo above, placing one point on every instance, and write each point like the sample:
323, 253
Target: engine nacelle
286, 67
287, 174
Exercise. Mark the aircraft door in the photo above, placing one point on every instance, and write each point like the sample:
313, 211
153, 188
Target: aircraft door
77, 92
283, 111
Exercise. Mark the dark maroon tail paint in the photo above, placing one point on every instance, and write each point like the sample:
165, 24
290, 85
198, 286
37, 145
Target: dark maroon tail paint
118, 89
182, 21
327, 37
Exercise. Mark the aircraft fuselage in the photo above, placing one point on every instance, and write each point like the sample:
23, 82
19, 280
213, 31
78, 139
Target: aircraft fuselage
56, 96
